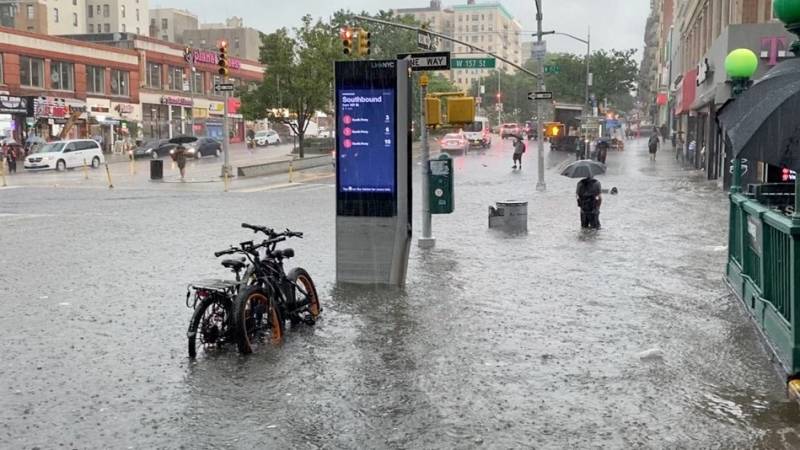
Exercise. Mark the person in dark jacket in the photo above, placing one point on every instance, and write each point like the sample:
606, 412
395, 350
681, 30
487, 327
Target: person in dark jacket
589, 195
652, 145
11, 158
602, 150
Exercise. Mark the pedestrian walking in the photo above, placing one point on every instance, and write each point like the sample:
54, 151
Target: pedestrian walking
602, 151
180, 159
692, 149
589, 195
519, 149
652, 145
251, 138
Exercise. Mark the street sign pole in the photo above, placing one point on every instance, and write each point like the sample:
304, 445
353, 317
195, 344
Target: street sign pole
540, 185
226, 168
427, 240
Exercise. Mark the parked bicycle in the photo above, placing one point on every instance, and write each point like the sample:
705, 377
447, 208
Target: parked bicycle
261, 309
212, 300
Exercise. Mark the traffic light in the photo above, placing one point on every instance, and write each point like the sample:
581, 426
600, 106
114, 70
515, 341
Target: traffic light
363, 43
553, 129
346, 34
433, 111
223, 58
460, 110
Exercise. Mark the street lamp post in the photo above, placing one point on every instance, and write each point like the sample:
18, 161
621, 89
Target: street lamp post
540, 184
740, 65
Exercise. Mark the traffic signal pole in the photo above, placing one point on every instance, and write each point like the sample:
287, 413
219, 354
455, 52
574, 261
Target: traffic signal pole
540, 184
427, 240
226, 166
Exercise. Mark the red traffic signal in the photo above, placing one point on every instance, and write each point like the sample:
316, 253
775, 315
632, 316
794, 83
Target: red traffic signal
346, 35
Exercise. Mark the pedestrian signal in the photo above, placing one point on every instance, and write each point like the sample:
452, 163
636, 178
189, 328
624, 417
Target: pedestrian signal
346, 34
223, 58
363, 43
553, 129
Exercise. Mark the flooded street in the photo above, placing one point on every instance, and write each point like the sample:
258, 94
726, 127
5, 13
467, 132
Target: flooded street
560, 338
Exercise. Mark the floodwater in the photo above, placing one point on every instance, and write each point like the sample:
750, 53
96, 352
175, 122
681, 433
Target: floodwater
559, 338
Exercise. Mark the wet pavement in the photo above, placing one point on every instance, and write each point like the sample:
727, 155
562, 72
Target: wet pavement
560, 338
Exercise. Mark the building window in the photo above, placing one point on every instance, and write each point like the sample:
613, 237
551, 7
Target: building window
75, 19
106, 11
91, 28
61, 76
236, 44
137, 14
164, 24
137, 30
119, 83
74, 2
31, 71
107, 28
122, 10
2, 79
175, 78
30, 12
55, 15
154, 75
123, 28
460, 18
474, 28
475, 17
98, 10
164, 37
95, 76
91, 11
198, 86
474, 38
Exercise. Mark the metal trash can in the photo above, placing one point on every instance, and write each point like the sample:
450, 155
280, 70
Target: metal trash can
156, 169
510, 216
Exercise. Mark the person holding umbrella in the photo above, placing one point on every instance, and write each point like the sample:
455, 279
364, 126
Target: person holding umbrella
589, 190
519, 149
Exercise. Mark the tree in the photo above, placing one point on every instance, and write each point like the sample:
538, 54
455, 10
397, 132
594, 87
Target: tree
298, 76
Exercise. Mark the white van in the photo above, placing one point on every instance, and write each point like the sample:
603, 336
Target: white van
479, 133
62, 155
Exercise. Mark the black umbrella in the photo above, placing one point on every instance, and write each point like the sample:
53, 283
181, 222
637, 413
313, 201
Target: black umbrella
182, 139
763, 123
584, 168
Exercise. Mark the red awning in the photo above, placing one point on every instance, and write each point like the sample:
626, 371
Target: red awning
689, 91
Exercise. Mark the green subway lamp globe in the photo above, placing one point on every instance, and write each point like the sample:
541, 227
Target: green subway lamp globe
788, 11
741, 63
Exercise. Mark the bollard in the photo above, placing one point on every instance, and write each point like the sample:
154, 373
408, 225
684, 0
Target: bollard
85, 171
291, 171
108, 173
225, 177
3, 172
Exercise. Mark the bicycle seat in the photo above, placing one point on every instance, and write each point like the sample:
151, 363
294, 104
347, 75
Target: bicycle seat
235, 264
285, 253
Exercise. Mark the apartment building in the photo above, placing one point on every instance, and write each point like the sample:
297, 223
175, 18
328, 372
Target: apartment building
41, 16
487, 25
117, 16
168, 24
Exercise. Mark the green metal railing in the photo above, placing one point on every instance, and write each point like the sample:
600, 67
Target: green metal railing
763, 247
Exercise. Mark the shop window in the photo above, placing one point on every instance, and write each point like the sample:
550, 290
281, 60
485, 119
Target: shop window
61, 76
95, 76
154, 75
31, 72
119, 83
175, 78
198, 86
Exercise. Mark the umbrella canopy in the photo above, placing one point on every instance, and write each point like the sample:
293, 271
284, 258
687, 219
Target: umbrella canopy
763, 123
584, 168
182, 139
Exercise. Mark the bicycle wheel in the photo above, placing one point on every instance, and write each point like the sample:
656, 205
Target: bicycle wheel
210, 325
305, 290
256, 319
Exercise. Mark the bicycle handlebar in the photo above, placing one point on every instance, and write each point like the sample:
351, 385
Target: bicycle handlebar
257, 228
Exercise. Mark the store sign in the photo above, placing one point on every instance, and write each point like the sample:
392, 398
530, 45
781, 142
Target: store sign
13, 105
216, 108
209, 57
176, 101
100, 109
124, 108
773, 49
54, 108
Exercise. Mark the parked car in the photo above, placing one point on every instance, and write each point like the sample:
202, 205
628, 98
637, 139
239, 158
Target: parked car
267, 137
204, 146
509, 130
62, 155
156, 148
454, 142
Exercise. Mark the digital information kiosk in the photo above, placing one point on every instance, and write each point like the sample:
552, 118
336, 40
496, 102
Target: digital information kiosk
373, 171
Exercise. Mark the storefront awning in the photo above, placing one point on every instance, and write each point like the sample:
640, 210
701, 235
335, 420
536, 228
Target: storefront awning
688, 92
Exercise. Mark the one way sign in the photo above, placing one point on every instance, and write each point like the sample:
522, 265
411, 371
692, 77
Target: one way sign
540, 95
428, 61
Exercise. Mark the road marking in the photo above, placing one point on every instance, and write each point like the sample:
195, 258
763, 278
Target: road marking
285, 187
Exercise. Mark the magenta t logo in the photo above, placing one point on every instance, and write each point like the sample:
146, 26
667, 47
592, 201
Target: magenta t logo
773, 48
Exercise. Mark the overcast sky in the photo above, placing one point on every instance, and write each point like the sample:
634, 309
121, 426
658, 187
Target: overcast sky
614, 23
